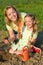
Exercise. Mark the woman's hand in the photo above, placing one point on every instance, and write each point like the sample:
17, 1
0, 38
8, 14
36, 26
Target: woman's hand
19, 35
6, 41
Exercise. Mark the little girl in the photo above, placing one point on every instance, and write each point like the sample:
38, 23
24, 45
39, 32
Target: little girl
28, 37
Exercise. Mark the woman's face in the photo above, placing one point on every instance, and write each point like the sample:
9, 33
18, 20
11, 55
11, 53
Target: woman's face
28, 22
11, 14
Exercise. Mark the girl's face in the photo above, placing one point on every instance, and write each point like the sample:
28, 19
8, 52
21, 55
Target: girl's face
11, 14
28, 22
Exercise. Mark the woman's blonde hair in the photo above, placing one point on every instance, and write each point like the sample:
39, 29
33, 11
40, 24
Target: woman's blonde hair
7, 20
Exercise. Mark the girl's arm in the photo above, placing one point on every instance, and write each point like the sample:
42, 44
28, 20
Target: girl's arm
33, 39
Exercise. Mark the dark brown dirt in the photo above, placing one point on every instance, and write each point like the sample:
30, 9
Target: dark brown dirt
9, 59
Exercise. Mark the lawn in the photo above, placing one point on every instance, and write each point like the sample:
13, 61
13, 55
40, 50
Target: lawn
29, 6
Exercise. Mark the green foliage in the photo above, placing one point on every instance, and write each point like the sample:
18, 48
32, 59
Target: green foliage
29, 6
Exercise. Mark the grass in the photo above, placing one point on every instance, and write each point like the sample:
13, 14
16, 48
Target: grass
29, 6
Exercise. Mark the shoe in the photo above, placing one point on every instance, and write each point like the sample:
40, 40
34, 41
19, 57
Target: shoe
36, 50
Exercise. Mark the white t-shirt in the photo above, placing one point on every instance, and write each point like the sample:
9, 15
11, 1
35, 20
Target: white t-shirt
23, 42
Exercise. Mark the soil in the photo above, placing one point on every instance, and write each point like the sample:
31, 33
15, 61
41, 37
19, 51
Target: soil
9, 59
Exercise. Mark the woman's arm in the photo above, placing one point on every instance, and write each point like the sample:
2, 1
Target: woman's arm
11, 35
10, 38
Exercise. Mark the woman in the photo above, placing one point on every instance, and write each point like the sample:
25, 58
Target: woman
14, 23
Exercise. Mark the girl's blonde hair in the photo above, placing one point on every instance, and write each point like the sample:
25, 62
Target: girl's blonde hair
35, 23
7, 20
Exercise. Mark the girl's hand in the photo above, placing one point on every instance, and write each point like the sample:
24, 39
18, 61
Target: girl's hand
30, 41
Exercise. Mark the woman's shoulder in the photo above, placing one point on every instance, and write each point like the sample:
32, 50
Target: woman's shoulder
23, 14
8, 27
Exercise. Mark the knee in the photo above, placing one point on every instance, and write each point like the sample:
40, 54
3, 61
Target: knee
11, 51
